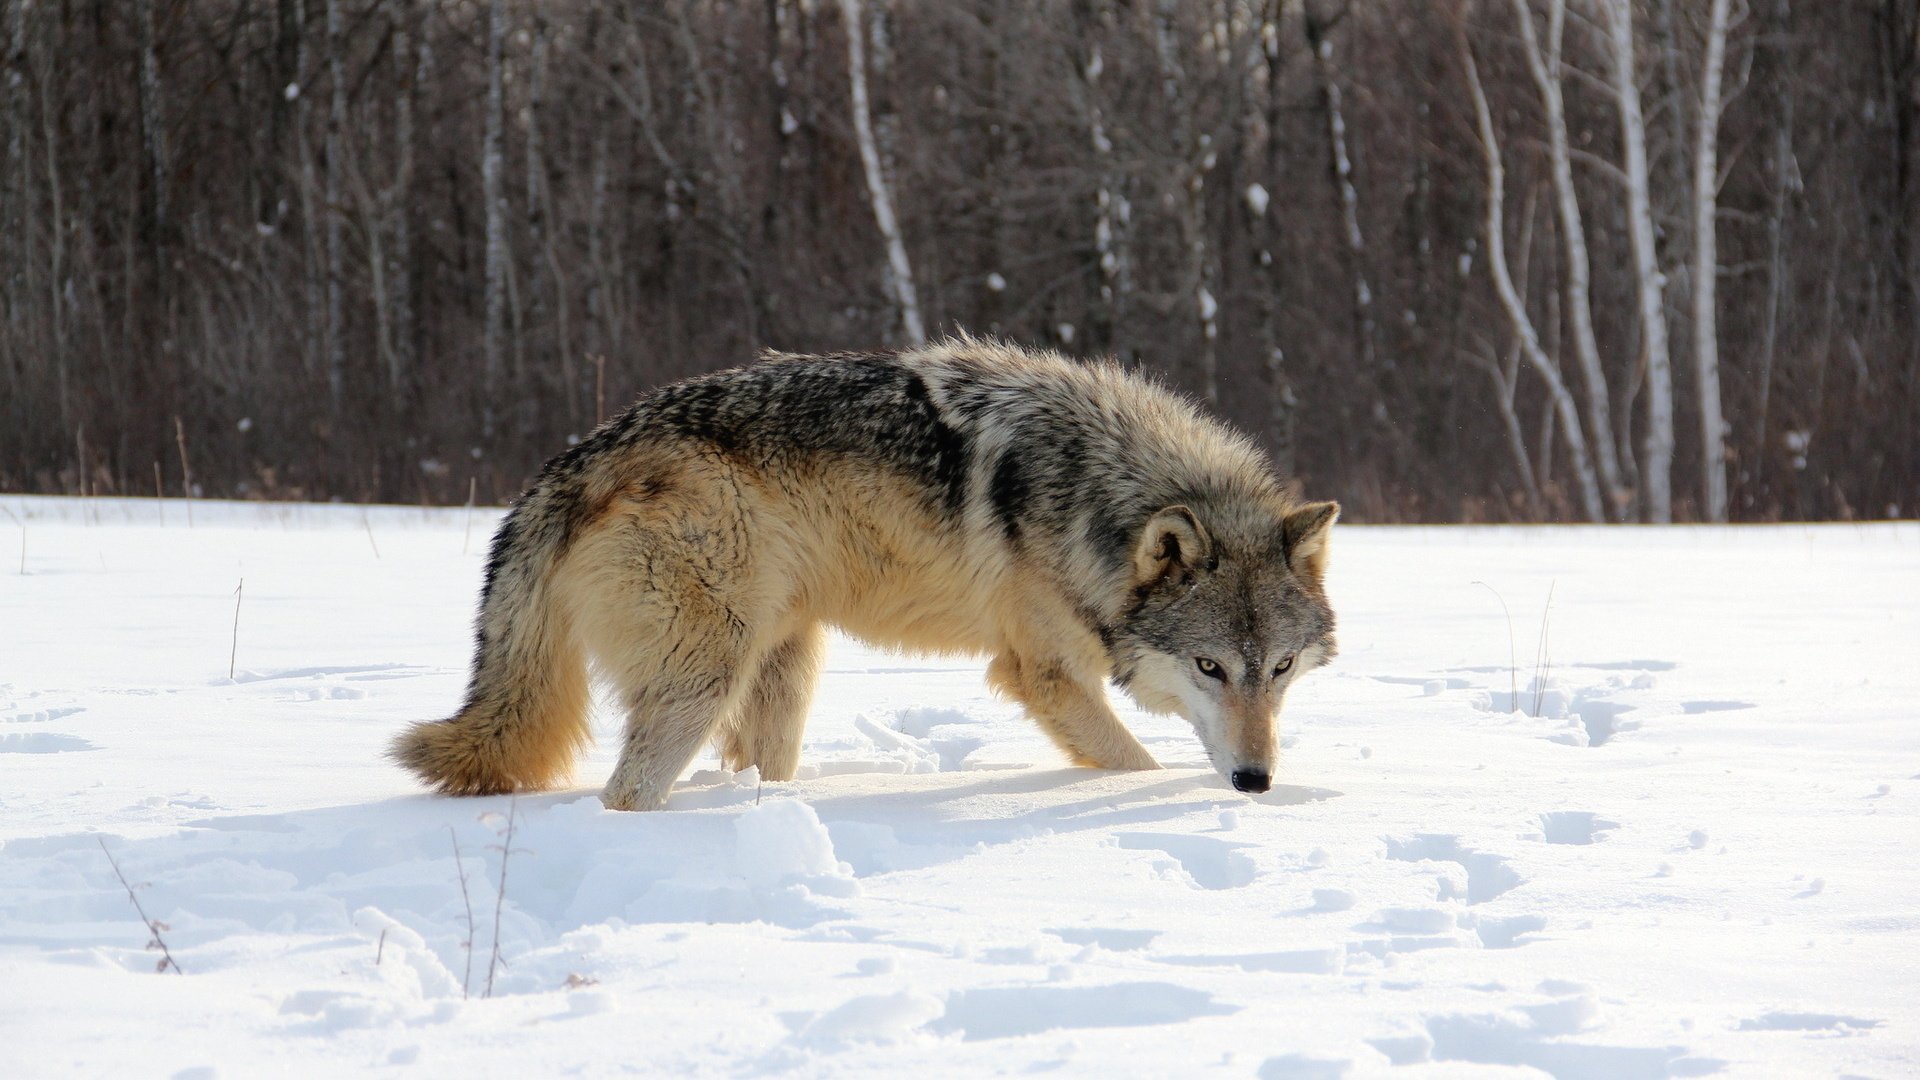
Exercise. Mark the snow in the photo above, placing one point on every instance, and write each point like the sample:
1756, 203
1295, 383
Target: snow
1697, 858
1257, 199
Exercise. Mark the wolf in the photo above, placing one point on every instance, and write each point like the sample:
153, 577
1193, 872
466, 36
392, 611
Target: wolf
1073, 522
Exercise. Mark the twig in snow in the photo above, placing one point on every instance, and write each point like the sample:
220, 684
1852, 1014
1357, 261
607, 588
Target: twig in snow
500, 898
159, 496
368, 522
1542, 657
234, 652
154, 928
466, 977
1513, 657
186, 471
473, 489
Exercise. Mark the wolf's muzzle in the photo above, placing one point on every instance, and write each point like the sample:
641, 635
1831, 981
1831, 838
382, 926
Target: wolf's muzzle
1250, 781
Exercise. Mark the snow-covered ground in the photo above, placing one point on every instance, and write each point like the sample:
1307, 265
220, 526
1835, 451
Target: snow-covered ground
1699, 857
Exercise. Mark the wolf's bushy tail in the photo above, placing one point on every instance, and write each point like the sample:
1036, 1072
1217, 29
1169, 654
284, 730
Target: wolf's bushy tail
525, 715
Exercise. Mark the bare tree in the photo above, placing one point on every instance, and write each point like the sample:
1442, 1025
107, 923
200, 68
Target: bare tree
1706, 270
1566, 410
274, 206
899, 270
1546, 71
1657, 456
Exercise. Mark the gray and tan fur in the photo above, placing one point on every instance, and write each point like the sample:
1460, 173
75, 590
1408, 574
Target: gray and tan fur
1073, 522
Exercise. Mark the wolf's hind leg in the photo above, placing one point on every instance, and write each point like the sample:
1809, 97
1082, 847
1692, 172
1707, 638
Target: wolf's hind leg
772, 713
667, 722
675, 654
1072, 712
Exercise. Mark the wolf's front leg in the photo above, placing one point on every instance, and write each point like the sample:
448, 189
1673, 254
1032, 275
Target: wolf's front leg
1072, 710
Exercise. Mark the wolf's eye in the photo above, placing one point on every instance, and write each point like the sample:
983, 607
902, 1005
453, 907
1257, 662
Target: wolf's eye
1210, 669
1283, 667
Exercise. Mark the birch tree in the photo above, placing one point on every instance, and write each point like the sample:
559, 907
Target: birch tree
1656, 466
1546, 71
1706, 269
899, 270
1564, 407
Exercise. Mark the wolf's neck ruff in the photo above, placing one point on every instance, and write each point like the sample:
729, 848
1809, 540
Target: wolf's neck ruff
1072, 522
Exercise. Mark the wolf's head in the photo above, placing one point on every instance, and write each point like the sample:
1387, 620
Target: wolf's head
1220, 626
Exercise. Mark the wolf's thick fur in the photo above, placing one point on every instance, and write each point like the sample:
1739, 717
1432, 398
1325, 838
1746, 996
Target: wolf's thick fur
1073, 522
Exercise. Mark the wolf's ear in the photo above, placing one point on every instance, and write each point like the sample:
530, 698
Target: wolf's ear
1172, 538
1304, 533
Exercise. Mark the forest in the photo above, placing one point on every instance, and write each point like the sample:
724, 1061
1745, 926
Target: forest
1447, 260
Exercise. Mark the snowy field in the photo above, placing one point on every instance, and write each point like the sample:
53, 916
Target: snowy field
1691, 851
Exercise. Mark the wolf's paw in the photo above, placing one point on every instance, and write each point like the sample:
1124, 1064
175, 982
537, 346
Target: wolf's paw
630, 799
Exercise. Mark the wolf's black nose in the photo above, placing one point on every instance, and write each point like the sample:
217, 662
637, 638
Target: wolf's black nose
1251, 781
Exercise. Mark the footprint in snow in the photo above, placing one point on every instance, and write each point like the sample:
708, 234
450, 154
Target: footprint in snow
1836, 1023
1488, 876
1212, 864
37, 716
1574, 827
1112, 939
42, 742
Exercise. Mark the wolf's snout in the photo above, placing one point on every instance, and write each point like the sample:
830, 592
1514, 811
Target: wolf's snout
1251, 781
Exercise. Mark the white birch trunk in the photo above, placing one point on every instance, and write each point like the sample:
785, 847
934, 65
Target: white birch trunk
493, 193
1563, 404
1546, 75
899, 269
1706, 267
1657, 451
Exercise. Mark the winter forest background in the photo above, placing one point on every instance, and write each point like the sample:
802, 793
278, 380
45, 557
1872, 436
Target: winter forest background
1450, 260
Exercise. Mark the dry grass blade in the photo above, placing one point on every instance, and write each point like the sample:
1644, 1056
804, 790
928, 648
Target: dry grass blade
154, 928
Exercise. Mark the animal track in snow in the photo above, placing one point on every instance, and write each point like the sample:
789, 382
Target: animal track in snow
1504, 931
1000, 1012
1328, 961
1574, 827
42, 742
1695, 707
1488, 876
36, 716
1212, 864
1538, 1041
1809, 1021
1110, 938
